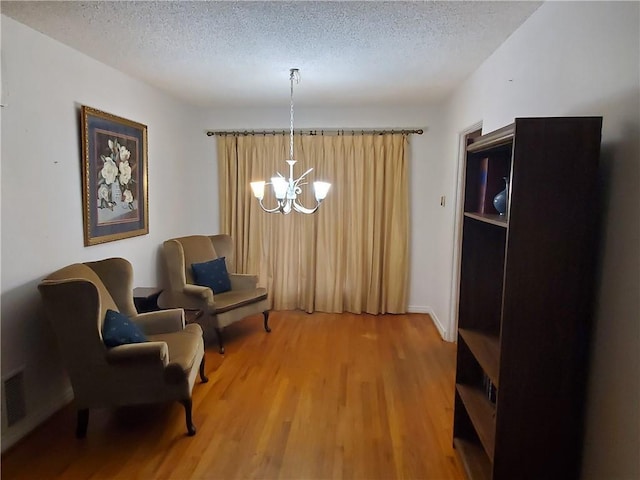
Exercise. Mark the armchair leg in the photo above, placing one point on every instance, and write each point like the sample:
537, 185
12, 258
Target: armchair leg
191, 429
219, 334
266, 321
203, 377
83, 423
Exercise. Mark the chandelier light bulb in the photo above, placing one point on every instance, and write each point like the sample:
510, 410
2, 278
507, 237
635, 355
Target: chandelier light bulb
321, 189
280, 187
258, 189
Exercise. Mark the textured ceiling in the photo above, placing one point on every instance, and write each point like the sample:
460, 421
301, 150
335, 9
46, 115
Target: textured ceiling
213, 53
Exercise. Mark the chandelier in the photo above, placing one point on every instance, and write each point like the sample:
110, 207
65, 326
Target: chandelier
286, 191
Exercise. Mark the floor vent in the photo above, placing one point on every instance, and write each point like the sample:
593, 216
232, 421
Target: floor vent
13, 394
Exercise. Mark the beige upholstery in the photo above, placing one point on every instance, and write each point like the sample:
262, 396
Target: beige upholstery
245, 297
76, 299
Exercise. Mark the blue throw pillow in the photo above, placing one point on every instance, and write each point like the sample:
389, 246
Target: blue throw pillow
118, 329
212, 274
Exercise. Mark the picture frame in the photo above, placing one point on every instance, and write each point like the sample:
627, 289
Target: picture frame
114, 177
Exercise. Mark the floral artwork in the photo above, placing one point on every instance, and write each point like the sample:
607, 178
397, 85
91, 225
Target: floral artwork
115, 185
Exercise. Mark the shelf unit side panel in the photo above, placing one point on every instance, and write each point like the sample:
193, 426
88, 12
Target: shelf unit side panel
547, 297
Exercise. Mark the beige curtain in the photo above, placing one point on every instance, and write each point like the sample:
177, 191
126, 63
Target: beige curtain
353, 253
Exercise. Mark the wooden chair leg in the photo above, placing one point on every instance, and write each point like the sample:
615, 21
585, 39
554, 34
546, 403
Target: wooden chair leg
203, 377
83, 423
219, 334
266, 321
191, 429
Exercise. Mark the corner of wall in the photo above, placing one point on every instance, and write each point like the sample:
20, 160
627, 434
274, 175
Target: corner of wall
434, 318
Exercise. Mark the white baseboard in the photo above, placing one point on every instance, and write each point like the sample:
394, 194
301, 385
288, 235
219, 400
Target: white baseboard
418, 309
29, 423
439, 326
436, 320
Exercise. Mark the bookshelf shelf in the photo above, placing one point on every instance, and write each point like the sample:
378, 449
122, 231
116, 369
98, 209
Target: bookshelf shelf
482, 414
493, 219
474, 459
486, 349
524, 306
496, 139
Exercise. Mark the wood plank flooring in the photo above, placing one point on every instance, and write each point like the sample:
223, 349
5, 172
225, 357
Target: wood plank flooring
323, 396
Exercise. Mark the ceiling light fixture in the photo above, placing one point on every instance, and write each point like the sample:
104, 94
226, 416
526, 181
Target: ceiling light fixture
287, 191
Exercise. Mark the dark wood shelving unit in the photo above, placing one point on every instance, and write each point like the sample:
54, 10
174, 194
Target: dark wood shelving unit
526, 288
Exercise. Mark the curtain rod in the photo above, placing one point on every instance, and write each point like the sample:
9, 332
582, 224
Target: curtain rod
362, 131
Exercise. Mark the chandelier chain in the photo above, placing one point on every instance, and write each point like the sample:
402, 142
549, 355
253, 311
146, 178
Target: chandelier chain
294, 75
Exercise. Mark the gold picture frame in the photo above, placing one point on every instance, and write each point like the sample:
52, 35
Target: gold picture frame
114, 177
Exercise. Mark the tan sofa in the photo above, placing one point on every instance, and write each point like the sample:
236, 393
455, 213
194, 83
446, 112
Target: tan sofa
76, 299
218, 310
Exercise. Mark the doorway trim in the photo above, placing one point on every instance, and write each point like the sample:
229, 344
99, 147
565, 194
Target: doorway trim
464, 136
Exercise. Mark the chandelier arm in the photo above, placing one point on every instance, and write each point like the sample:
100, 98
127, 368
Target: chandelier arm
302, 209
297, 182
271, 210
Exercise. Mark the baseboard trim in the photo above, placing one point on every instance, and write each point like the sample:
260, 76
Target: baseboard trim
434, 318
439, 326
30, 422
418, 309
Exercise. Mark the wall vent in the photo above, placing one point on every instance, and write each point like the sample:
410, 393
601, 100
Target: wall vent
14, 405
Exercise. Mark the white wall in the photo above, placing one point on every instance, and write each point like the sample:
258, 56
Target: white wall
43, 84
425, 169
578, 58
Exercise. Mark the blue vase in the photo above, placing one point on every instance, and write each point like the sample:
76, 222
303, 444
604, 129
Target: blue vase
500, 200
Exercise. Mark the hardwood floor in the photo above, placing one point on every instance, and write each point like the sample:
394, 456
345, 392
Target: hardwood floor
323, 396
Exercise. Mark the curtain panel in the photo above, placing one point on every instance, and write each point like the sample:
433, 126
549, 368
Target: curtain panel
351, 255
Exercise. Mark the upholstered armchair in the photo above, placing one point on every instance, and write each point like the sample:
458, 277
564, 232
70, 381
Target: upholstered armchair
161, 366
219, 308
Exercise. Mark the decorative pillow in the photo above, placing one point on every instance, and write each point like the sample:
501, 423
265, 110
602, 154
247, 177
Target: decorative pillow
118, 329
212, 274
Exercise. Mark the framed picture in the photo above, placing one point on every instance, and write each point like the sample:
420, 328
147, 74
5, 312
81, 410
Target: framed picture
114, 173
